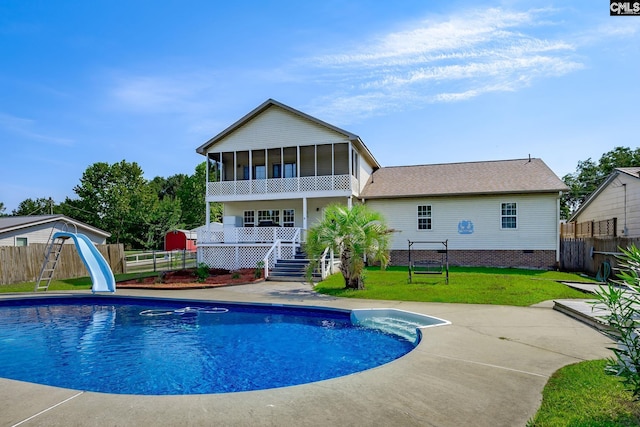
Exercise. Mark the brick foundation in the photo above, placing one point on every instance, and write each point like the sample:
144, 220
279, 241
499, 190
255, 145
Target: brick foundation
534, 259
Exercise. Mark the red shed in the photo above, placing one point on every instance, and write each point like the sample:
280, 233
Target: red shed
176, 240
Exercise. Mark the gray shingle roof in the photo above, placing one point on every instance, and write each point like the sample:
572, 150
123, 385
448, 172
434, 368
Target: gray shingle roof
10, 223
492, 177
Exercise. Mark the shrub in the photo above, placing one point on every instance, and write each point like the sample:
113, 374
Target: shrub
202, 272
622, 300
257, 273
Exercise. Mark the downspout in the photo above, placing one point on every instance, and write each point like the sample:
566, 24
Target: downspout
206, 202
558, 229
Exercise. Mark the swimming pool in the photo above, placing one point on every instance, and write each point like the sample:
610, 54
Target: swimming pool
167, 347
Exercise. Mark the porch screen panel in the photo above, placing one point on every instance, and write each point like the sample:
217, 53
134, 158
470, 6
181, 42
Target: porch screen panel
307, 160
274, 168
214, 162
242, 167
341, 159
228, 166
324, 159
290, 155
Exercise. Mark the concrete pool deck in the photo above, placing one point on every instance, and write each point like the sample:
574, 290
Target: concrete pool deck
486, 369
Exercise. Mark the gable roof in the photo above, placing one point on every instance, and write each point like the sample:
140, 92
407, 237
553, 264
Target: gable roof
269, 103
12, 223
472, 178
631, 171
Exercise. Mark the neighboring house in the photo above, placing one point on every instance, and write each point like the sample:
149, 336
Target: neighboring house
276, 169
26, 230
617, 197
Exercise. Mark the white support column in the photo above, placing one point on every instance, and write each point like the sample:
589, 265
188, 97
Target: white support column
350, 164
304, 213
298, 165
349, 202
207, 215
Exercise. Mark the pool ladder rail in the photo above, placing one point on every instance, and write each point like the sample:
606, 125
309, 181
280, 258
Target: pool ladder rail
50, 263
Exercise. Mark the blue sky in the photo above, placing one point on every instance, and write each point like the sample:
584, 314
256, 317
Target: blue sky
420, 82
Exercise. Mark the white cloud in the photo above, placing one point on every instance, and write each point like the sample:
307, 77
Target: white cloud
25, 128
442, 60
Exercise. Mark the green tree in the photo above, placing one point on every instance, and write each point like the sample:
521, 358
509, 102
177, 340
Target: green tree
40, 206
191, 194
168, 187
2, 209
164, 216
353, 233
115, 198
589, 175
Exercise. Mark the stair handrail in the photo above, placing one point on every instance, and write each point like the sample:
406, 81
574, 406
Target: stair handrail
323, 263
265, 260
296, 240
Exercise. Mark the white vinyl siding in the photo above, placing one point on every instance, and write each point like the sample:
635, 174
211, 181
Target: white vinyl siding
276, 128
41, 233
537, 221
610, 203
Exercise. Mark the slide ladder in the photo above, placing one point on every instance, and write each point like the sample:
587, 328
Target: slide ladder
51, 259
101, 275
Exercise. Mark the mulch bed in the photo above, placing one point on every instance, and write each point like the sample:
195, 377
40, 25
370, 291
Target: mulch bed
187, 279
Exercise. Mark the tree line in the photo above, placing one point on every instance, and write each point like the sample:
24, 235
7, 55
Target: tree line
138, 212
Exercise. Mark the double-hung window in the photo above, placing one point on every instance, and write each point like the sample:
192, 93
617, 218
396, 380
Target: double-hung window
424, 217
509, 216
249, 219
288, 218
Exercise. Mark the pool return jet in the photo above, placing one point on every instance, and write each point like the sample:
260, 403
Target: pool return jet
101, 275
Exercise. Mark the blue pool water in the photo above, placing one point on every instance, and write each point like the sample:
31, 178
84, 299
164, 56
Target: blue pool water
155, 347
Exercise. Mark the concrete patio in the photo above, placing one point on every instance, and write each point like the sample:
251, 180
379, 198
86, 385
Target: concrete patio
486, 369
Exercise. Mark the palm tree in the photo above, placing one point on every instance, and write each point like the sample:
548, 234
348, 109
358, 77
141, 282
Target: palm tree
353, 233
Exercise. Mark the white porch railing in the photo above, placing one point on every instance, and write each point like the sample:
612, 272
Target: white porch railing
247, 247
282, 185
249, 235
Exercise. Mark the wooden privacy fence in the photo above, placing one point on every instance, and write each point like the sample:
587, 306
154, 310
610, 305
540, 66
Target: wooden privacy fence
604, 228
588, 254
23, 264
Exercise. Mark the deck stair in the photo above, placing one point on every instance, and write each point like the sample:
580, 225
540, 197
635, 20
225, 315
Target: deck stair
51, 259
292, 270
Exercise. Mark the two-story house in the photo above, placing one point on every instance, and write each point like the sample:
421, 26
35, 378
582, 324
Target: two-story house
276, 168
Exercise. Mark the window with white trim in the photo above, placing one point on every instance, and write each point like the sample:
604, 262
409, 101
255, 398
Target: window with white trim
269, 215
424, 217
21, 241
288, 218
509, 216
249, 219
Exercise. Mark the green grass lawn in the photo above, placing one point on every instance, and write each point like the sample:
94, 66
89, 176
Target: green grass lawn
506, 286
583, 395
80, 283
